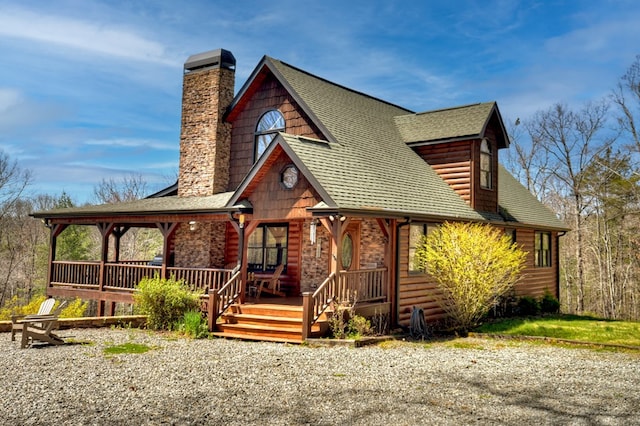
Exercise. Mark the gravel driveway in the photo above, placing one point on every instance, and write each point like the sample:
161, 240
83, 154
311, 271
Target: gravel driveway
225, 382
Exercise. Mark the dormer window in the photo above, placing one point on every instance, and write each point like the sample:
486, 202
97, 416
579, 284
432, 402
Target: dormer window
486, 165
269, 125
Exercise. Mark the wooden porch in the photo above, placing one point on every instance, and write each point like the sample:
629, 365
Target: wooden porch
229, 311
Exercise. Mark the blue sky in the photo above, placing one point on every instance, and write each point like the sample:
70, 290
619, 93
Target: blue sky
91, 90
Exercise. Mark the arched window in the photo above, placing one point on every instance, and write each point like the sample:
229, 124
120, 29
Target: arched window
268, 126
486, 165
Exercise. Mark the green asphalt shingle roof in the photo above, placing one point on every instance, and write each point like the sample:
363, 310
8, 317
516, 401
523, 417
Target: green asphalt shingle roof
520, 205
161, 205
465, 121
366, 163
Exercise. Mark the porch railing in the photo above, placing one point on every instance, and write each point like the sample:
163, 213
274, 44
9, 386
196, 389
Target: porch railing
76, 274
126, 276
362, 286
221, 299
201, 279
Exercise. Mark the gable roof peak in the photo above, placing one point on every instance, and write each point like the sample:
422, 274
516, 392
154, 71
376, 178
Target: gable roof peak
458, 107
275, 61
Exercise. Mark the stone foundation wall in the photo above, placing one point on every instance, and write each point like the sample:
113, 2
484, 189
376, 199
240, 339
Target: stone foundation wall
372, 244
315, 258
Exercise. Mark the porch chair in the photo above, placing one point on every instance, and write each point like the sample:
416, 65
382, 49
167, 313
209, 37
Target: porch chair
45, 309
271, 285
40, 328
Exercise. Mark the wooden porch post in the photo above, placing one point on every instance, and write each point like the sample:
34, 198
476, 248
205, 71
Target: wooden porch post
213, 309
244, 232
105, 230
388, 228
307, 314
166, 229
118, 232
55, 230
335, 230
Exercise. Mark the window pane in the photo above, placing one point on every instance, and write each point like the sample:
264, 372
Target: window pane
416, 232
347, 251
262, 143
270, 122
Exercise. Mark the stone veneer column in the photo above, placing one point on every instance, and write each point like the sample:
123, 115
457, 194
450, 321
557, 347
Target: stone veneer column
205, 139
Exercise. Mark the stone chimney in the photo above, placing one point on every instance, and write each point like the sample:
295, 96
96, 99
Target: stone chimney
205, 139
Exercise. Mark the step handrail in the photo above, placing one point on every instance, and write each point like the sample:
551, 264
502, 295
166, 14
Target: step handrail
314, 304
220, 300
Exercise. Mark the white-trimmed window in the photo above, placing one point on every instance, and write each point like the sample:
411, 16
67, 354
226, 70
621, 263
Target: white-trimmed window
268, 127
486, 165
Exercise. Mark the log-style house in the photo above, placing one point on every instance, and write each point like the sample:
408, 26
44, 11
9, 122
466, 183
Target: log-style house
335, 185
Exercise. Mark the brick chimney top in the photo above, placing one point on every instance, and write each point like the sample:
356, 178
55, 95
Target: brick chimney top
219, 58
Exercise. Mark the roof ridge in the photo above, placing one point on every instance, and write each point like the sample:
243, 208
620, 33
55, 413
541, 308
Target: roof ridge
453, 108
357, 92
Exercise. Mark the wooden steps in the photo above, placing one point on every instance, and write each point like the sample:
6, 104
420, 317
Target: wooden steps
267, 322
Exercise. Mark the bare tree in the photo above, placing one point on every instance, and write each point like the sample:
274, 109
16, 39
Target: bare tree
527, 161
131, 187
571, 140
13, 182
626, 96
136, 243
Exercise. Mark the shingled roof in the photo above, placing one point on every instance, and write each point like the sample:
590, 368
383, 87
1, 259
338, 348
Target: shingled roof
463, 122
366, 165
213, 204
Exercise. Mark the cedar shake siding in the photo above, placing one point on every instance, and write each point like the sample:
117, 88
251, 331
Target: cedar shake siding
270, 95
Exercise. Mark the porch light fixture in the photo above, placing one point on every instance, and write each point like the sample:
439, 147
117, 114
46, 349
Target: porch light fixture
312, 232
241, 219
192, 225
337, 216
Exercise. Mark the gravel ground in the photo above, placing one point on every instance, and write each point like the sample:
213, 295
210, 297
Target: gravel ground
183, 381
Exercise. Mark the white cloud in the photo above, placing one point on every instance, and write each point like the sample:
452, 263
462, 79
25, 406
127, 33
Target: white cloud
133, 143
89, 36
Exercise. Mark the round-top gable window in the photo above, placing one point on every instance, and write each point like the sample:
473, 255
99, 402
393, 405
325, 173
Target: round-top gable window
268, 127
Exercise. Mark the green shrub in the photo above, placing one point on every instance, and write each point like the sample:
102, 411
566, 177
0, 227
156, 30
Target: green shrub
358, 326
549, 304
194, 325
15, 306
164, 301
74, 309
528, 306
473, 265
338, 321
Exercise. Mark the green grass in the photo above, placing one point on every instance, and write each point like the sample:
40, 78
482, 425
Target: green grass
126, 348
570, 327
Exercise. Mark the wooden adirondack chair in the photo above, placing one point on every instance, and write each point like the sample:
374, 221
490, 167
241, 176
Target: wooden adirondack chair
40, 328
271, 285
40, 331
45, 309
